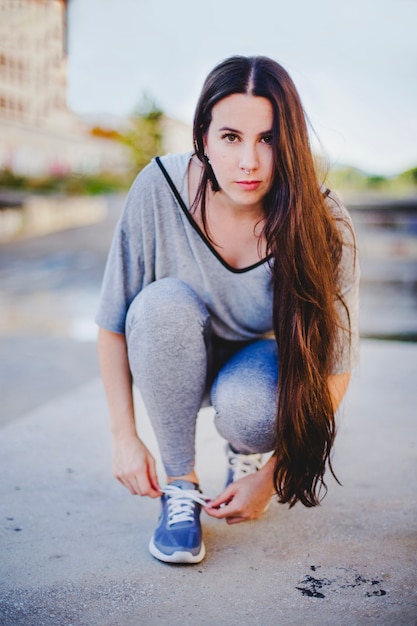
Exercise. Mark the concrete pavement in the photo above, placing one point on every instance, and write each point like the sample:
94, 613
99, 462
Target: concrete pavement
49, 288
74, 542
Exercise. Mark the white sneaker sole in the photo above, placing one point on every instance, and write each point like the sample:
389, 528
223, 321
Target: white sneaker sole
177, 557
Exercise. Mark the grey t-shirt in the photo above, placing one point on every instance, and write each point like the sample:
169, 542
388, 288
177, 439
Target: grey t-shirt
157, 238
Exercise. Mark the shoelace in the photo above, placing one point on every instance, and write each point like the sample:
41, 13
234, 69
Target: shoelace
244, 464
181, 503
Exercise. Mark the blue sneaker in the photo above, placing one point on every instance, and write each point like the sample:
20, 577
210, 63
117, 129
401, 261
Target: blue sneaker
178, 536
240, 465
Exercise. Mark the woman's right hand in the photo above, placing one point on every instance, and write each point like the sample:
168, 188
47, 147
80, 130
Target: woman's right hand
134, 466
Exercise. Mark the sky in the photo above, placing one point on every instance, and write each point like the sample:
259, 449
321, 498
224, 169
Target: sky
354, 64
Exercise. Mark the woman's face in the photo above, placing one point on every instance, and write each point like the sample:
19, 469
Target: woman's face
238, 145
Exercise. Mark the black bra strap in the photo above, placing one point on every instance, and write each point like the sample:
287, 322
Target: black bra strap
171, 184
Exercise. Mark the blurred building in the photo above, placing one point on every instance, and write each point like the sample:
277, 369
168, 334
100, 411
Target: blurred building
32, 62
177, 135
38, 134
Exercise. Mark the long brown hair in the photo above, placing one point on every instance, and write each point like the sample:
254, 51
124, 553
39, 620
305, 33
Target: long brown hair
305, 243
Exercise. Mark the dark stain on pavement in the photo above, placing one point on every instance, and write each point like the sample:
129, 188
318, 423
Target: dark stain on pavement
342, 579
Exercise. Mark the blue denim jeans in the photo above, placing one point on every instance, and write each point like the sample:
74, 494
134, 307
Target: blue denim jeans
179, 366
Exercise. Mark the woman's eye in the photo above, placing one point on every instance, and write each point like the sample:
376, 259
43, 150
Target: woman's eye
267, 139
230, 137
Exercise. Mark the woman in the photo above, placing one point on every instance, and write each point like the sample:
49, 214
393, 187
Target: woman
215, 251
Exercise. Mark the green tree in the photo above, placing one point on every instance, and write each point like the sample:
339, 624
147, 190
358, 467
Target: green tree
409, 176
376, 181
144, 134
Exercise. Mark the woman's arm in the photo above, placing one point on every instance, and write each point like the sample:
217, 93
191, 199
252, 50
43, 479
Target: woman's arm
247, 498
133, 465
338, 384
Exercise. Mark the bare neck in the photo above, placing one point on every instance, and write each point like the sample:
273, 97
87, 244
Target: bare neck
235, 230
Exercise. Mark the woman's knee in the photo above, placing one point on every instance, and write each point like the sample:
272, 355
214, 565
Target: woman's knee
168, 305
246, 424
244, 396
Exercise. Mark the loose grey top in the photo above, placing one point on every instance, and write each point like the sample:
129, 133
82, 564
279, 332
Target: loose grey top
157, 238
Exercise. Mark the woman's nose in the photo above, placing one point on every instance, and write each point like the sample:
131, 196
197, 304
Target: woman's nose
248, 159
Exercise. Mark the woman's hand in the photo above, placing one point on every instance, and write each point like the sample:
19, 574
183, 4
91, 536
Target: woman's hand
244, 500
134, 466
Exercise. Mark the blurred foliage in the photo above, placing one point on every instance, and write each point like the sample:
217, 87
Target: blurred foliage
10, 180
409, 176
352, 180
71, 184
144, 135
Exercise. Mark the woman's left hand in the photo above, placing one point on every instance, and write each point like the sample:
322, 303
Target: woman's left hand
244, 500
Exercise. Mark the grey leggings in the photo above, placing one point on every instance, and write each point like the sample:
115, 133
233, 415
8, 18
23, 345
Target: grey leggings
178, 364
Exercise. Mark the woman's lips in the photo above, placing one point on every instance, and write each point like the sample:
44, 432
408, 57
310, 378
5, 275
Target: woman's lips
248, 185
